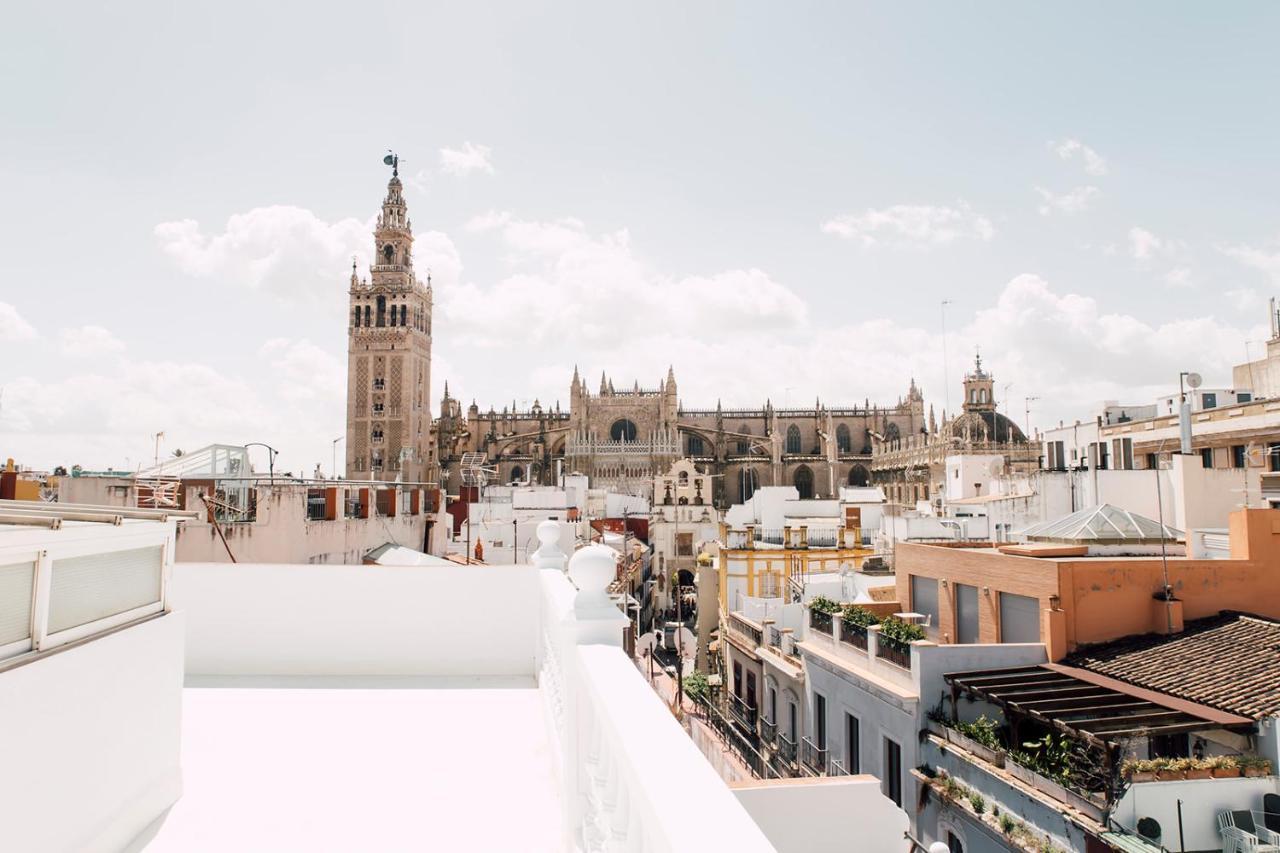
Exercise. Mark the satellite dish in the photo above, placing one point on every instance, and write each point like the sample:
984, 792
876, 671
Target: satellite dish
646, 643
1194, 380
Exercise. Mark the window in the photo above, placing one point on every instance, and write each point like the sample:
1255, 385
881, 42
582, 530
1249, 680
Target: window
404, 315
1273, 457
379, 383
1019, 618
953, 843
966, 613
924, 597
357, 317
1243, 397
737, 679
893, 771
771, 705
382, 311
684, 544
696, 447
1206, 457
791, 716
793, 439
517, 474
378, 408
367, 315
744, 445
820, 720
1237, 456
1152, 461
1122, 448
803, 481
748, 481
1208, 400
376, 435
844, 444
1056, 460
751, 690
623, 430
858, 476
852, 749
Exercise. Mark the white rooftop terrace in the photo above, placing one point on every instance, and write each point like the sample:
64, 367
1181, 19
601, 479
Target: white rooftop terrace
294, 707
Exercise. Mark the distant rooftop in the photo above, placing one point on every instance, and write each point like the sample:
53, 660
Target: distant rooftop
1102, 524
1228, 661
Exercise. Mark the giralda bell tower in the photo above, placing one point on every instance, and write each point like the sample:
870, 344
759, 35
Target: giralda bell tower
389, 353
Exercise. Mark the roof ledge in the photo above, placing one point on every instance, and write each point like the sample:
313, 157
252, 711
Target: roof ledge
1034, 549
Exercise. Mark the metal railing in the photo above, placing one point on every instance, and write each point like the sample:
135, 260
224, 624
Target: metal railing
893, 654
740, 624
820, 620
854, 635
813, 756
732, 737
768, 731
743, 713
836, 768
786, 748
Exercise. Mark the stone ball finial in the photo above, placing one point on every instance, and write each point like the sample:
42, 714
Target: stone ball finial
592, 569
549, 555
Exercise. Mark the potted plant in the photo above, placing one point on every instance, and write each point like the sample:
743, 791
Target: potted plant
1199, 768
1169, 769
856, 620
1224, 767
1254, 766
821, 611
1138, 770
981, 737
937, 721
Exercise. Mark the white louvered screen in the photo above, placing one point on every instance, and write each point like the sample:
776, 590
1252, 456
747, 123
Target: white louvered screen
16, 580
85, 589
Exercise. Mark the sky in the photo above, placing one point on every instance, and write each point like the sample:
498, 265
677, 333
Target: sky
782, 201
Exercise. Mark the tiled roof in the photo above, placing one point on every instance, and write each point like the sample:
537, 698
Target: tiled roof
1230, 661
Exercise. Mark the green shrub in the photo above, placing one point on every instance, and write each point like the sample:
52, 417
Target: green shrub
859, 617
898, 634
1007, 824
984, 730
822, 604
978, 802
696, 685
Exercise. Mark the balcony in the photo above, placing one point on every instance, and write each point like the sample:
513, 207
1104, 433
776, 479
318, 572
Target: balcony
768, 732
813, 757
893, 653
336, 707
748, 630
786, 750
743, 713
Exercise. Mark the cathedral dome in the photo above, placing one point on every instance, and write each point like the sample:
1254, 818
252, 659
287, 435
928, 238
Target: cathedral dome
986, 426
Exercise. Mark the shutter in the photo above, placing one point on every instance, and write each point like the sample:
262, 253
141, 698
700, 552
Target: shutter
924, 597
16, 582
86, 589
1019, 619
966, 613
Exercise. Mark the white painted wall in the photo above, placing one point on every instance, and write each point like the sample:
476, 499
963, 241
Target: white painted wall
278, 619
1202, 800
831, 815
89, 741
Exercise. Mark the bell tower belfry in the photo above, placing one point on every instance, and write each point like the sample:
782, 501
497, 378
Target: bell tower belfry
389, 353
979, 389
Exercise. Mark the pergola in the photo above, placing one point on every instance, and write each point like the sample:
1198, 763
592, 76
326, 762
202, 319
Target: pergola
1101, 711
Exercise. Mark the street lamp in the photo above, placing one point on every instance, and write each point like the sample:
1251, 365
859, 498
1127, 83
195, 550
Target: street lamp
335, 456
271, 458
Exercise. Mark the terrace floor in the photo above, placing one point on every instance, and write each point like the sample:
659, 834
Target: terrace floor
386, 765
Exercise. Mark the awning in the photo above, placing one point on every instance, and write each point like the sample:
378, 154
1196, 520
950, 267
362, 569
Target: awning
1098, 709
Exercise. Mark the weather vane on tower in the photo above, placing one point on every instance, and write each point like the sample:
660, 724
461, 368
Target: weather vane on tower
393, 160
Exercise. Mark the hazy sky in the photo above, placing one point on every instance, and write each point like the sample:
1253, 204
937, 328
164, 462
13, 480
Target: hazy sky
774, 198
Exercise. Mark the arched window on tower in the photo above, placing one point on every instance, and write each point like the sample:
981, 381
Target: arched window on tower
356, 320
404, 314
367, 315
982, 395
793, 439
844, 444
803, 481
382, 311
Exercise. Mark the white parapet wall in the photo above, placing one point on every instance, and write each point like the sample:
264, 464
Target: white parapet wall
298, 620
89, 741
825, 815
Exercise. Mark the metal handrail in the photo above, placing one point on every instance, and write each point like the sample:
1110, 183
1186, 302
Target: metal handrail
813, 756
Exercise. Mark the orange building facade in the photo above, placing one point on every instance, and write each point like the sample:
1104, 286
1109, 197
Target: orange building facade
1086, 599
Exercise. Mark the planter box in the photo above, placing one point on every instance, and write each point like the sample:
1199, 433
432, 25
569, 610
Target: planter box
1144, 776
936, 728
1226, 772
1201, 773
1082, 803
1255, 772
991, 756
1170, 775
1087, 806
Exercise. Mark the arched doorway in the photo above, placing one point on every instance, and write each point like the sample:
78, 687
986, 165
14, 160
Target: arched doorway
517, 474
803, 481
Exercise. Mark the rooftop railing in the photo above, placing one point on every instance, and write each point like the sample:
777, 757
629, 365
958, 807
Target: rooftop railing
813, 756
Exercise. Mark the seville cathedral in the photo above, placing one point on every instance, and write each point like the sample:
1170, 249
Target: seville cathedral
621, 437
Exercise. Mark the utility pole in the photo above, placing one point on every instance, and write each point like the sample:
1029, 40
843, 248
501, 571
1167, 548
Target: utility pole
515, 538
1027, 415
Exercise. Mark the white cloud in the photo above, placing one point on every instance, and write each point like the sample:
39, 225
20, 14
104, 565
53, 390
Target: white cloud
1069, 149
303, 372
1179, 277
1072, 201
1264, 260
465, 160
1244, 298
912, 226
89, 342
1143, 244
13, 327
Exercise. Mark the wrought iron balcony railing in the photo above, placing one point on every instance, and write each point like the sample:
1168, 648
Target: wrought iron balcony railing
813, 756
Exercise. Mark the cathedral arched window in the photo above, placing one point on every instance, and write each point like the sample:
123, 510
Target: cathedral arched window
891, 433
623, 430
844, 444
858, 476
517, 474
803, 481
748, 482
744, 445
793, 439
696, 446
